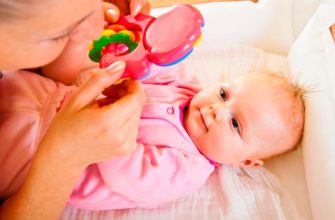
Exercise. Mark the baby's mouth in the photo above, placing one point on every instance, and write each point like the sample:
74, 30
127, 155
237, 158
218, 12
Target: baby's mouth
203, 121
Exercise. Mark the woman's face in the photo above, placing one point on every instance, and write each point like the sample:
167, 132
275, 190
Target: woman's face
41, 33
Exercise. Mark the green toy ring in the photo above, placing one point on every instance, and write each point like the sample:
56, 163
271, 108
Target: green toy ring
98, 45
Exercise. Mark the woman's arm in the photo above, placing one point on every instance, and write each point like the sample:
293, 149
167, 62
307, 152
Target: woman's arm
79, 135
46, 189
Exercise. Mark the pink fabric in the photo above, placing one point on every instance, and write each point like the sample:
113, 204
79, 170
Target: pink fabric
165, 166
28, 102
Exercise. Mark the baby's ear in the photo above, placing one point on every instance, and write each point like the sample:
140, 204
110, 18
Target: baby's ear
251, 163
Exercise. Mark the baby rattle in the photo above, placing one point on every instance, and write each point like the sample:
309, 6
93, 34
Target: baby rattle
143, 40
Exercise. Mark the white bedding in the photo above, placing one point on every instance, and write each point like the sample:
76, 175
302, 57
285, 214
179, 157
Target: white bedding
248, 194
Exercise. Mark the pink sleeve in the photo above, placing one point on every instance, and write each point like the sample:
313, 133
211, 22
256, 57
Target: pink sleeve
28, 103
154, 174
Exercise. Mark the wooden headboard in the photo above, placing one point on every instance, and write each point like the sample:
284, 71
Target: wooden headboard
164, 3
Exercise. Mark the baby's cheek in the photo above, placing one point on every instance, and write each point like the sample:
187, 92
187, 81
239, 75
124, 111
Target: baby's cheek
50, 50
202, 100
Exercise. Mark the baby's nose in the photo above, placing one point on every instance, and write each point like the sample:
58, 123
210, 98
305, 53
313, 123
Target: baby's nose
220, 112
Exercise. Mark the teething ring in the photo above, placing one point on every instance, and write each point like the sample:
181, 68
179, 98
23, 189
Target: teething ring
124, 38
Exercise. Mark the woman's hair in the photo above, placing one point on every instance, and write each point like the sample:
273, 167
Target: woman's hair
16, 9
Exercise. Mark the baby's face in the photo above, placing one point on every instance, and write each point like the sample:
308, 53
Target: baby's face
239, 121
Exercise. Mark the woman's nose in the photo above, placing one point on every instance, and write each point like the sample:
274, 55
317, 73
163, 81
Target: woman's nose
90, 28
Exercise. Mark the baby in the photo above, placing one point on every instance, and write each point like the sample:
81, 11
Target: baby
241, 122
185, 132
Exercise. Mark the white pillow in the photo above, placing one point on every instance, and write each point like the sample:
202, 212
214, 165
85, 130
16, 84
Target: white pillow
312, 61
302, 12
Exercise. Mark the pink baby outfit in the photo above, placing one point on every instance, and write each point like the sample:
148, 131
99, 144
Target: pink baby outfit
166, 164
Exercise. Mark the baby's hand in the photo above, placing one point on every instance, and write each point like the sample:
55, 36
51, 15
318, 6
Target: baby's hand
84, 132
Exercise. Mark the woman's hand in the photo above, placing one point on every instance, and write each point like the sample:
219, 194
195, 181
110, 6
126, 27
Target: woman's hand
83, 132
86, 132
113, 8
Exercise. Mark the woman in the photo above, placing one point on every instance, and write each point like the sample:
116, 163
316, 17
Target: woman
38, 33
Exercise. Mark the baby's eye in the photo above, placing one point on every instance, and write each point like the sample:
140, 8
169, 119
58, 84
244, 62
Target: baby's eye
223, 94
235, 124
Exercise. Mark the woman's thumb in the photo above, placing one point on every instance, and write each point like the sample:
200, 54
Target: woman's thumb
101, 79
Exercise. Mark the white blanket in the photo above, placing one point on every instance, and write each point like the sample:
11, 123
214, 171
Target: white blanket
230, 193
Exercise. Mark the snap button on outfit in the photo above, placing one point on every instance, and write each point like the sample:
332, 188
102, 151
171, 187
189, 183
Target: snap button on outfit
170, 110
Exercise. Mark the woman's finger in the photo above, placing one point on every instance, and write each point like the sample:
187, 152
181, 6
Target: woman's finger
136, 6
117, 90
134, 99
146, 8
130, 128
101, 79
111, 12
105, 101
123, 6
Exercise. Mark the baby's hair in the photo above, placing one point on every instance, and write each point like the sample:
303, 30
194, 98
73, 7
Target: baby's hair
298, 113
295, 116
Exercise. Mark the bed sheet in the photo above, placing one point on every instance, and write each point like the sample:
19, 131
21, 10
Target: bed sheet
249, 194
